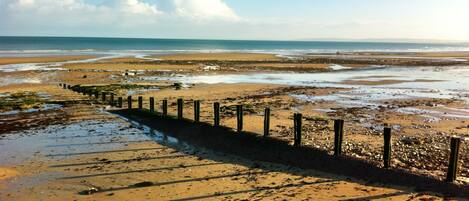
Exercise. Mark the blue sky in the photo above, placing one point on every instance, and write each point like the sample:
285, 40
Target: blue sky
240, 19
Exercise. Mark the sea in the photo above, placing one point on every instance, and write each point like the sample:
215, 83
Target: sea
39, 46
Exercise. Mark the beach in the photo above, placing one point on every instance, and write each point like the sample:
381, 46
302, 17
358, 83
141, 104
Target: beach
86, 152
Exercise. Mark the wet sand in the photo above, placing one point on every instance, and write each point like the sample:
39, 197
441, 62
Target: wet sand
220, 57
19, 60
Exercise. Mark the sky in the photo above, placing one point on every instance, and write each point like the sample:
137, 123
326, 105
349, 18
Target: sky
381, 20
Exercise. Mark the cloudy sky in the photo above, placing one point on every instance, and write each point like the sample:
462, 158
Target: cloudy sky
239, 19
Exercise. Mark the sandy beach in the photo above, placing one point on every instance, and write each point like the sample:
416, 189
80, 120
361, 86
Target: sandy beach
84, 152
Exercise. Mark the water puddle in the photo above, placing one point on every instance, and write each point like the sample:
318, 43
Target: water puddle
339, 67
5, 81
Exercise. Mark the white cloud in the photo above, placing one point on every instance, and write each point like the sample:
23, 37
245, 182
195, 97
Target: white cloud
137, 7
201, 10
73, 13
111, 12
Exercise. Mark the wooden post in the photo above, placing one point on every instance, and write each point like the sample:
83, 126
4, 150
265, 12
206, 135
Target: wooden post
387, 148
119, 102
216, 114
180, 108
140, 102
453, 159
129, 102
197, 111
152, 104
239, 115
165, 107
297, 121
112, 99
103, 96
338, 136
266, 121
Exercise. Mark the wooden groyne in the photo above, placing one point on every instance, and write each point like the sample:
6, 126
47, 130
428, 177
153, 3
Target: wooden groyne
265, 148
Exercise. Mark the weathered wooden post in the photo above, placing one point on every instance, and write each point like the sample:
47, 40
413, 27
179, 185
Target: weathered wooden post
297, 121
103, 96
119, 102
387, 148
338, 136
165, 107
140, 102
216, 114
129, 102
111, 102
152, 104
266, 121
239, 115
453, 159
197, 111
180, 108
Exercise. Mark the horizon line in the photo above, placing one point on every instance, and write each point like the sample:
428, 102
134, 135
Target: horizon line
369, 40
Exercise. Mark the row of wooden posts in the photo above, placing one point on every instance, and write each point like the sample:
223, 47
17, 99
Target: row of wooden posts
297, 119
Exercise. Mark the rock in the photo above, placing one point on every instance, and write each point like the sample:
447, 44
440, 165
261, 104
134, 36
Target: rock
89, 191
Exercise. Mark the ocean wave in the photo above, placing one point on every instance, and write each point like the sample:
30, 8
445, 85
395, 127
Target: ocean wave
274, 51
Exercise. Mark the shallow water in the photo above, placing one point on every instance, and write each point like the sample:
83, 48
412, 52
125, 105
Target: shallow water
416, 82
75, 138
57, 142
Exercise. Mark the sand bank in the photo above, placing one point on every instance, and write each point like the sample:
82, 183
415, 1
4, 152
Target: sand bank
19, 60
221, 57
